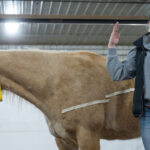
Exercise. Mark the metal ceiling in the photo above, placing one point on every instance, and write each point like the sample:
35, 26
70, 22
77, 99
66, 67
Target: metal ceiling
69, 33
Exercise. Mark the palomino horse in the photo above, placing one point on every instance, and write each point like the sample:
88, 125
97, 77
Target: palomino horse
68, 88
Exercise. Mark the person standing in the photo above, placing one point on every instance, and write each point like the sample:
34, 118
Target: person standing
136, 64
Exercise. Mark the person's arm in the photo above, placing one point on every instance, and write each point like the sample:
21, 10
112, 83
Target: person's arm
121, 70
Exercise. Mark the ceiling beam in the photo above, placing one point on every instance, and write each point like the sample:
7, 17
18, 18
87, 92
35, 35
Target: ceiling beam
74, 19
94, 1
57, 39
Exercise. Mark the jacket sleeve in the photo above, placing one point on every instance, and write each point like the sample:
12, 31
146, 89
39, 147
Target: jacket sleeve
121, 70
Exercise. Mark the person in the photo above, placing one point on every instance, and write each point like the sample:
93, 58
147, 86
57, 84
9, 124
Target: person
128, 69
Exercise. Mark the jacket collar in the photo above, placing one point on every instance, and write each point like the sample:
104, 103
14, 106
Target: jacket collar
139, 41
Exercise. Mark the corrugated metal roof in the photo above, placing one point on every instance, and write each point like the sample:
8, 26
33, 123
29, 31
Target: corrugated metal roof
76, 34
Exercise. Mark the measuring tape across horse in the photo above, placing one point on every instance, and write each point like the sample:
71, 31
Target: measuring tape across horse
97, 101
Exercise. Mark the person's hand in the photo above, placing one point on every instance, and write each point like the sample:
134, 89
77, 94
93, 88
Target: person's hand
114, 38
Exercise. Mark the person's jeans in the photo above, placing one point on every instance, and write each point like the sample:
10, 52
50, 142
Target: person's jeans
144, 122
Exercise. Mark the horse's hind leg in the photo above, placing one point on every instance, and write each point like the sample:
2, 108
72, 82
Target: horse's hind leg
65, 145
87, 139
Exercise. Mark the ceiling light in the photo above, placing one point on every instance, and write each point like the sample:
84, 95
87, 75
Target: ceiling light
11, 27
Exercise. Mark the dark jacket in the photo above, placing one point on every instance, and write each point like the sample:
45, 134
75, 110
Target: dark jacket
138, 97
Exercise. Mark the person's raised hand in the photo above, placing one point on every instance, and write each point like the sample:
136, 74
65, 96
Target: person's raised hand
114, 37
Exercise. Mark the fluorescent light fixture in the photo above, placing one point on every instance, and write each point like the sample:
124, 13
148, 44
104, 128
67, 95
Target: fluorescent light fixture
12, 27
11, 8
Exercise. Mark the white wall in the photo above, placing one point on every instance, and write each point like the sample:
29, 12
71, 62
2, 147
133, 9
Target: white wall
23, 127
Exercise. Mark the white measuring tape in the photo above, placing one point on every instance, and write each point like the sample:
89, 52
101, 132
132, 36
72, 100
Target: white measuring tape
96, 101
84, 105
119, 92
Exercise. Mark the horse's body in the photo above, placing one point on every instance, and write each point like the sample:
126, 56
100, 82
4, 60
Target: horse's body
55, 81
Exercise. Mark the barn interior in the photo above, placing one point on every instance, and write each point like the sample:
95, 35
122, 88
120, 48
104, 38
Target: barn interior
62, 25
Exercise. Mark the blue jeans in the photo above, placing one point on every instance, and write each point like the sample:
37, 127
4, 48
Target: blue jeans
144, 122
